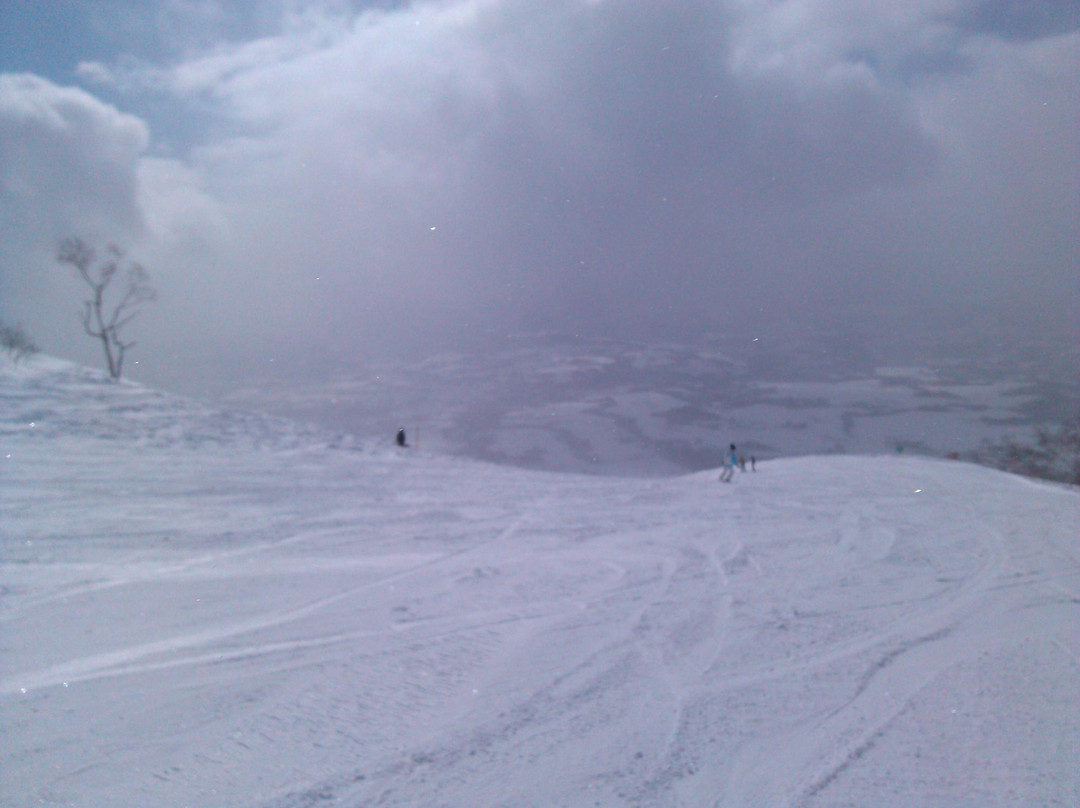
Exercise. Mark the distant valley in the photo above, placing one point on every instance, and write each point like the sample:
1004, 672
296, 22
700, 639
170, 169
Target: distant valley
561, 403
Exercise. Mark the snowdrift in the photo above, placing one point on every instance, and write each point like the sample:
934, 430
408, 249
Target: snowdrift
211, 608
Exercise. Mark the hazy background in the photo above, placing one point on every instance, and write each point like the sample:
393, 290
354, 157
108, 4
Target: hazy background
312, 183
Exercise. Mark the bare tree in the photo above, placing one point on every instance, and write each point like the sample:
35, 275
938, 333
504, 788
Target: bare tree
16, 343
103, 318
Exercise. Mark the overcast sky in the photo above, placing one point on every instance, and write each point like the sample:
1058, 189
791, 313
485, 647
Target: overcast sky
343, 179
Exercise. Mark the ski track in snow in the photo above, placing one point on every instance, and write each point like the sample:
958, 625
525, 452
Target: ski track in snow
121, 661
217, 609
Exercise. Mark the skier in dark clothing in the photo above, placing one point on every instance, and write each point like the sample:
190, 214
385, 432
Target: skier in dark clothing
401, 437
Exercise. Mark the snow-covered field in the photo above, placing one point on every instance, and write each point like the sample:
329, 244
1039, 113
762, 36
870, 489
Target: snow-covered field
211, 608
621, 409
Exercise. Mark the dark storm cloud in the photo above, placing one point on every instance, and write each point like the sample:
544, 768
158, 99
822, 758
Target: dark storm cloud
415, 175
569, 165
1021, 20
661, 174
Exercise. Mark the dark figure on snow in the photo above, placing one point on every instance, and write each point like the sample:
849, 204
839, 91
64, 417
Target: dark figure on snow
753, 463
401, 437
729, 466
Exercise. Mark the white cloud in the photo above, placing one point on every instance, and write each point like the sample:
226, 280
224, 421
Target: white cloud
95, 73
68, 160
71, 164
570, 163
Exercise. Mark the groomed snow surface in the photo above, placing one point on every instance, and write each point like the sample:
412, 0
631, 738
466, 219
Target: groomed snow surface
204, 608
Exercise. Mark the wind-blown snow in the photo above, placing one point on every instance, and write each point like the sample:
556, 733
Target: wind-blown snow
204, 608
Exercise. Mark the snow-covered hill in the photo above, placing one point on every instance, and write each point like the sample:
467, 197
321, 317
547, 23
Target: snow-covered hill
205, 608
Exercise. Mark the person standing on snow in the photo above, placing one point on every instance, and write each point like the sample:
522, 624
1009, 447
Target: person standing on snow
401, 437
729, 466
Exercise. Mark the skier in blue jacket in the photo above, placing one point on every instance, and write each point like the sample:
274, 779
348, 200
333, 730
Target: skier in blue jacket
729, 466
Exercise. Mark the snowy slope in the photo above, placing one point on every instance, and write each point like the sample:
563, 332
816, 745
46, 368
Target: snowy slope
204, 608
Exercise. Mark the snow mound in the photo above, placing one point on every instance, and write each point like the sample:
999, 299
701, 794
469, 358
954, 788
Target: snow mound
203, 607
59, 398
